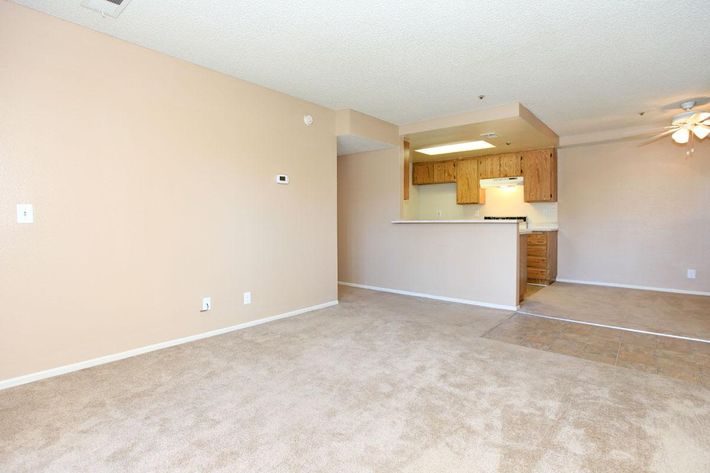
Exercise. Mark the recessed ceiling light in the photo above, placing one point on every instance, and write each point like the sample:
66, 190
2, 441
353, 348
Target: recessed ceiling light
456, 147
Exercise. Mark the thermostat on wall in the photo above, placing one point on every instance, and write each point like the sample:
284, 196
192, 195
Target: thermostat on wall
281, 179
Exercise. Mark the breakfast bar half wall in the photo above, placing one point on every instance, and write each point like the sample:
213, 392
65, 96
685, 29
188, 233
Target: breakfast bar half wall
466, 261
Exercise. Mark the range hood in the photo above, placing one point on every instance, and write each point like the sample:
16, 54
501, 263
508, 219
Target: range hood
502, 182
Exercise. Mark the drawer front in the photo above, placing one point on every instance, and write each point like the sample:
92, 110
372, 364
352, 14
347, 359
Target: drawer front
537, 251
537, 262
537, 273
537, 239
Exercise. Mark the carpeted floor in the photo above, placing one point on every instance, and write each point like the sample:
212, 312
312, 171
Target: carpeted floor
660, 312
380, 383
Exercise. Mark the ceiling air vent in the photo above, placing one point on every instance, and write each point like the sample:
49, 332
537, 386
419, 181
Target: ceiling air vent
490, 134
111, 8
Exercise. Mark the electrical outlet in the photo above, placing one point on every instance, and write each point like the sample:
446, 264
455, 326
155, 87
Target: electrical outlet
439, 213
25, 213
206, 304
247, 298
691, 274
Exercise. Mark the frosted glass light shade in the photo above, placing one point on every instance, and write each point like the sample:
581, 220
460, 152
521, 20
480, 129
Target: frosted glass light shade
682, 135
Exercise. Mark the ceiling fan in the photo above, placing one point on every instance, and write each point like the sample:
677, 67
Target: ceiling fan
686, 124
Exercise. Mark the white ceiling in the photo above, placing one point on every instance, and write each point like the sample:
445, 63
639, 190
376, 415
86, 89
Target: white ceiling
580, 66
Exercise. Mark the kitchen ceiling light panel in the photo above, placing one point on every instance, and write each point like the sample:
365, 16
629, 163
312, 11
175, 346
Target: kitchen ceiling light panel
456, 147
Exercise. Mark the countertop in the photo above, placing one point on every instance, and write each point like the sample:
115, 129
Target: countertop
455, 221
543, 227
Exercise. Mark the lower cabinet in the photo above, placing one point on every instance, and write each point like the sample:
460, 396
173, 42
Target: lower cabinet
542, 257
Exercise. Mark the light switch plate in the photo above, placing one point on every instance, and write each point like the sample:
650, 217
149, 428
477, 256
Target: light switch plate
206, 304
247, 297
25, 213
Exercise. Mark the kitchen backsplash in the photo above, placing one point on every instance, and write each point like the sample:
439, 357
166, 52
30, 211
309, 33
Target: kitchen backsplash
438, 202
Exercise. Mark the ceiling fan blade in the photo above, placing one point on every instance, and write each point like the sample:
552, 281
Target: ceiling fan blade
696, 118
701, 131
659, 136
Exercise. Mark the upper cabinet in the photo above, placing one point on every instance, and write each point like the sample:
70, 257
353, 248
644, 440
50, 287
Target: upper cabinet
501, 165
444, 171
439, 172
468, 189
538, 168
423, 173
540, 175
488, 167
510, 165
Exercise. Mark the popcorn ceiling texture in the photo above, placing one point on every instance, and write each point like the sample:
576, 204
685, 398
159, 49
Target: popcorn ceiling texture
579, 67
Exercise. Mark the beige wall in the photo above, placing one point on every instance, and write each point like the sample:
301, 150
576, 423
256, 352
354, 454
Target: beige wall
474, 262
352, 122
438, 201
637, 215
153, 186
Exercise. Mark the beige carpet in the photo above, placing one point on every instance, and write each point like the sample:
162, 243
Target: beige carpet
661, 312
381, 383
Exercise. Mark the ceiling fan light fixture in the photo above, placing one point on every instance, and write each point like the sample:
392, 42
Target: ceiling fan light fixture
681, 136
701, 131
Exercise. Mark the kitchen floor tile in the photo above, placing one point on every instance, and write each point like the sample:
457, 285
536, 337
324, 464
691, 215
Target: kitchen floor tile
675, 358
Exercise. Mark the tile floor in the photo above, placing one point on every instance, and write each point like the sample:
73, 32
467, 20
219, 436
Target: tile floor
671, 357
660, 312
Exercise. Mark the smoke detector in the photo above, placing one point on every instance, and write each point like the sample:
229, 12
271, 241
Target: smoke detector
111, 8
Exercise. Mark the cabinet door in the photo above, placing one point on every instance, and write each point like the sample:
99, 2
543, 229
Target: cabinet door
467, 187
444, 171
540, 174
422, 173
510, 165
489, 167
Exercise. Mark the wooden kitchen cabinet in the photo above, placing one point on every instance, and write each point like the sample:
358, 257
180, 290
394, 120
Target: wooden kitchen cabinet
510, 165
540, 173
444, 172
439, 172
468, 189
542, 257
422, 173
488, 167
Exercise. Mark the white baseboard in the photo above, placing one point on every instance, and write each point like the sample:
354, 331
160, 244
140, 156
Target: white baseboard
632, 286
28, 378
431, 296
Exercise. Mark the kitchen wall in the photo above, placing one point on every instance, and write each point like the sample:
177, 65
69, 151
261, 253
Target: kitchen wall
472, 262
635, 214
438, 201
153, 185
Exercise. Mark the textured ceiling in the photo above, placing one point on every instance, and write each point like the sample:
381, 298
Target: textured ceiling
580, 66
